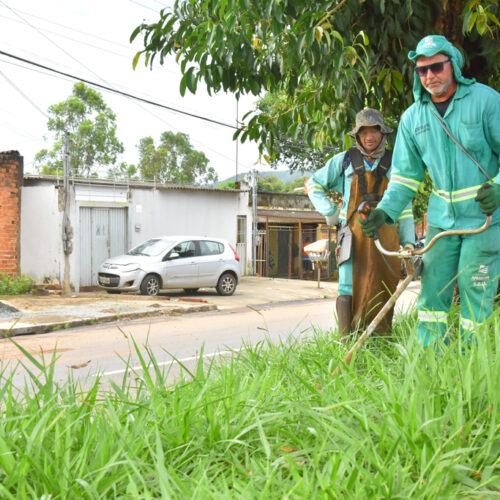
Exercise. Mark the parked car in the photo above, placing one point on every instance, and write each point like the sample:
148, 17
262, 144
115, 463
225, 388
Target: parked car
188, 262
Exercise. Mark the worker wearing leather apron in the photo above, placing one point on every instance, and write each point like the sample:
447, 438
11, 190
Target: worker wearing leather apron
366, 278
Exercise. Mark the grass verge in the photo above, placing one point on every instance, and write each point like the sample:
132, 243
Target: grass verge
269, 422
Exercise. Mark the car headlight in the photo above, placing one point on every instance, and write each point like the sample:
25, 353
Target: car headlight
127, 268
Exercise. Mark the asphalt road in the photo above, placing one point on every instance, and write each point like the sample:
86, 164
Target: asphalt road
87, 351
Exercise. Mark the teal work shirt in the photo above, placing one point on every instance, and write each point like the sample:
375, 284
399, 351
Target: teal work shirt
422, 145
332, 178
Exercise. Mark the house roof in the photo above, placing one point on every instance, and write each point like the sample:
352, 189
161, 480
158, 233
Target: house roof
306, 215
30, 178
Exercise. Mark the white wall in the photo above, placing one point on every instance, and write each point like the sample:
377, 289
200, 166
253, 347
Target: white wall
41, 237
167, 212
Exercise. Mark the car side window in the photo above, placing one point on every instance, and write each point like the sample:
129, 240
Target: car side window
211, 248
185, 249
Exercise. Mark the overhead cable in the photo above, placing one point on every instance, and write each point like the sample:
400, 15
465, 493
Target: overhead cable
24, 95
116, 91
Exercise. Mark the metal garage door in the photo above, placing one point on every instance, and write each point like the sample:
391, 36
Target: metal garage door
103, 234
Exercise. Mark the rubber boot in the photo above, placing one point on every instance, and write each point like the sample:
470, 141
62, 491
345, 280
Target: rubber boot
344, 314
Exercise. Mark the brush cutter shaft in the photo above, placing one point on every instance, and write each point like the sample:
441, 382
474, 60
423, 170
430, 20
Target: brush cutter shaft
371, 327
406, 253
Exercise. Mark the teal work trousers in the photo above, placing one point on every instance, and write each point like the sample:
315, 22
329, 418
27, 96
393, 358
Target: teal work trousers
472, 261
345, 276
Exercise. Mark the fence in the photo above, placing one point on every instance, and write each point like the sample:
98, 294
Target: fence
280, 252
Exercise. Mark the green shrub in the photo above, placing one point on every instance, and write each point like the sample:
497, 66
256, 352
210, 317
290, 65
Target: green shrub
14, 285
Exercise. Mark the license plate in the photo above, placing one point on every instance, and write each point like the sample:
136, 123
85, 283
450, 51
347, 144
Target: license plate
105, 281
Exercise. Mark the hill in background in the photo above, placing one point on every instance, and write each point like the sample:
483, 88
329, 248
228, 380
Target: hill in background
283, 175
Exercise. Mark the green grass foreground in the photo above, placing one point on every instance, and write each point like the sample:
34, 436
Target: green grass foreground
269, 422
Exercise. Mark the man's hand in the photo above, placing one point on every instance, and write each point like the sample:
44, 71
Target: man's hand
488, 197
376, 218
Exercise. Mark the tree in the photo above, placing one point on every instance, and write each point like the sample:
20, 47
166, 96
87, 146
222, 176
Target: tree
270, 183
92, 127
296, 155
124, 171
329, 59
174, 161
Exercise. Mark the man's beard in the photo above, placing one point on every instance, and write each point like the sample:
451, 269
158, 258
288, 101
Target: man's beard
438, 91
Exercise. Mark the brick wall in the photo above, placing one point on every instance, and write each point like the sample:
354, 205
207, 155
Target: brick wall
11, 177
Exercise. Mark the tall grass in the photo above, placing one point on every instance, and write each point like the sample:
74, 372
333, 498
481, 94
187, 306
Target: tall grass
268, 422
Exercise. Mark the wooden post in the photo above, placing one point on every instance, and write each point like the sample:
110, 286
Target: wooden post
267, 249
301, 251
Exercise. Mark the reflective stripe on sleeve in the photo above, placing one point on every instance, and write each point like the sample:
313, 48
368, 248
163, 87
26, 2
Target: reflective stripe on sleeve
456, 196
311, 187
406, 181
406, 214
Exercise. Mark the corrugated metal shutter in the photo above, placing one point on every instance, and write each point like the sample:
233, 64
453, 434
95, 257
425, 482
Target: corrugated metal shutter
103, 234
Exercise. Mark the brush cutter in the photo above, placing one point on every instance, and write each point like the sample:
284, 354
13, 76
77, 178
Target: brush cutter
413, 262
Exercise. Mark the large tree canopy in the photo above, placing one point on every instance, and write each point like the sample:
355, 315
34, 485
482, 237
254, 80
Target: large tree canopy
173, 161
328, 58
92, 127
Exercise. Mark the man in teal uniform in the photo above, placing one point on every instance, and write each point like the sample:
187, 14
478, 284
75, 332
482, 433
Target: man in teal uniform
338, 175
462, 192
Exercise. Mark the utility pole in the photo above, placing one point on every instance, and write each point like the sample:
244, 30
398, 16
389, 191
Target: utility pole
254, 221
67, 230
236, 181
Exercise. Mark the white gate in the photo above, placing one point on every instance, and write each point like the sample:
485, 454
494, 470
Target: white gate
103, 234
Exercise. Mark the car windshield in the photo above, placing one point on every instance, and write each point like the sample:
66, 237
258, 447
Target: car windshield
151, 247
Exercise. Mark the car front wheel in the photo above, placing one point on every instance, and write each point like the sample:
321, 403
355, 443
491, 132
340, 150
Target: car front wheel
226, 284
150, 285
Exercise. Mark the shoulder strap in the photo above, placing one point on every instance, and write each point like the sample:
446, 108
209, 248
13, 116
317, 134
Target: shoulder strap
346, 161
441, 122
359, 168
382, 168
385, 161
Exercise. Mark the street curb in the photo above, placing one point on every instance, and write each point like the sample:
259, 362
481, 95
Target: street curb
73, 323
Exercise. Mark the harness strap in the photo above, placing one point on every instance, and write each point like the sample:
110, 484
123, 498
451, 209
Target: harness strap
359, 168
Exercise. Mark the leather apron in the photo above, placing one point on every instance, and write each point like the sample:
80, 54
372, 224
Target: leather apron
374, 279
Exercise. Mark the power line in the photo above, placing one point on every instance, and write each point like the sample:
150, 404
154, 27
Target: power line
24, 95
150, 112
144, 6
116, 91
74, 39
68, 28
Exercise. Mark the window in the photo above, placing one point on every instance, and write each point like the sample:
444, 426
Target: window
185, 249
211, 248
241, 234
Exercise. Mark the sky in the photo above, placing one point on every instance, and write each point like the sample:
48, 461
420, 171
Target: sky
90, 39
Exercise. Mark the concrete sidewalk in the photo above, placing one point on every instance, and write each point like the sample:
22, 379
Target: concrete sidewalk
28, 314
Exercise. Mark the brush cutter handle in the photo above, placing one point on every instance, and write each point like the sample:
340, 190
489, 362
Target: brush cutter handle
407, 253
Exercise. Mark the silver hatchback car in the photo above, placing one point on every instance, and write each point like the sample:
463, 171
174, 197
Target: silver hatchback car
188, 262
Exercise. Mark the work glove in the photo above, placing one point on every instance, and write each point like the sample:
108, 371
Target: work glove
333, 219
488, 197
375, 219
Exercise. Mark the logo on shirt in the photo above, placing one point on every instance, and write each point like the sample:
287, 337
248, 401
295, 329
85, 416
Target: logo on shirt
422, 128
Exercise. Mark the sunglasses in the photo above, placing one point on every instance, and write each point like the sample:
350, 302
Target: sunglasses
436, 68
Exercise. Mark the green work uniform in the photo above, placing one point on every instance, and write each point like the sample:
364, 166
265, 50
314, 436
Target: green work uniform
423, 146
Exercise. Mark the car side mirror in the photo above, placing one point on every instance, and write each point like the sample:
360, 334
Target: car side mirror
172, 256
